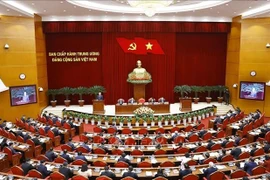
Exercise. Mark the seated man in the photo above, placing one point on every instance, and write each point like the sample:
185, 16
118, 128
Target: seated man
66, 156
130, 173
161, 100
107, 172
26, 166
212, 168
47, 128
121, 101
43, 169
185, 171
202, 132
151, 100
254, 149
210, 144
225, 141
160, 173
80, 156
235, 152
10, 146
237, 140
249, 166
123, 159
50, 154
266, 147
71, 144
219, 158
102, 146
36, 140
66, 171
84, 144
131, 101
99, 96
266, 163
174, 135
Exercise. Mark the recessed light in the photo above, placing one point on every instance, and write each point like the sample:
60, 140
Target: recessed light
218, 12
249, 7
89, 10
74, 6
20, 15
33, 4
7, 9
178, 1
211, 8
61, 2
122, 2
227, 4
64, 10
234, 12
44, 10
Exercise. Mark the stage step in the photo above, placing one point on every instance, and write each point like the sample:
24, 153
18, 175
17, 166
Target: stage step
223, 109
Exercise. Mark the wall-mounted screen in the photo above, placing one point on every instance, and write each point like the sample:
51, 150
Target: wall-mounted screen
252, 90
21, 95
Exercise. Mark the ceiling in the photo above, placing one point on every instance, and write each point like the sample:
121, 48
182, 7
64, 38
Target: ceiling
120, 10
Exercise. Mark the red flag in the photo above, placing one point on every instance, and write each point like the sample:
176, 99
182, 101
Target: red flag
140, 46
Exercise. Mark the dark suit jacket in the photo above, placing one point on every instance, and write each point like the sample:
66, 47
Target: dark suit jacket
124, 160
82, 157
223, 144
108, 174
236, 152
13, 150
47, 128
266, 164
131, 174
253, 151
266, 148
220, 157
86, 147
50, 155
26, 167
43, 170
36, 141
66, 157
209, 171
66, 172
185, 172
55, 131
160, 175
71, 145
237, 140
249, 166
201, 133
99, 97
209, 145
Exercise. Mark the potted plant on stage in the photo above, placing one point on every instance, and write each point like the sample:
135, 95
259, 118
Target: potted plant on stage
53, 93
183, 90
86, 118
179, 117
189, 117
196, 90
159, 120
209, 89
220, 90
152, 119
173, 118
129, 121
185, 116
106, 120
81, 91
93, 119
66, 91
114, 120
137, 121
94, 90
121, 121
145, 120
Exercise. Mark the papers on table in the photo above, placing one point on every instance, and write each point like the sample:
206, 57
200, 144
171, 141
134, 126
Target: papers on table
22, 146
242, 164
220, 167
212, 131
153, 160
202, 170
191, 146
214, 154
235, 127
149, 173
151, 148
198, 157
50, 167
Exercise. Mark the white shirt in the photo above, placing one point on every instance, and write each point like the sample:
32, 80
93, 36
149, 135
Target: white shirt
86, 174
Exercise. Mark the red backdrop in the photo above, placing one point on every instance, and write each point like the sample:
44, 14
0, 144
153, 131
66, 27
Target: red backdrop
196, 58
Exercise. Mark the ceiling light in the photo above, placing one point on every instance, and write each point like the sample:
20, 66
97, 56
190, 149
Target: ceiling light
7, 9
44, 10
33, 4
249, 7
256, 11
18, 7
61, 1
227, 4
64, 10
149, 7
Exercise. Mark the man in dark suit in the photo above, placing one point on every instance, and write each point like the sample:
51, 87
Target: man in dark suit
266, 147
84, 144
81, 156
249, 166
219, 158
123, 159
54, 119
202, 132
66, 156
99, 96
3, 124
237, 140
50, 155
226, 140
26, 166
266, 163
47, 128
210, 144
10, 146
130, 173
36, 140
55, 131
185, 172
71, 144
107, 172
235, 152
102, 146
217, 121
66, 171
209, 170
254, 149
43, 169
26, 137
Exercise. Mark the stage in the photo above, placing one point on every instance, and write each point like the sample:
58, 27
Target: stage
110, 109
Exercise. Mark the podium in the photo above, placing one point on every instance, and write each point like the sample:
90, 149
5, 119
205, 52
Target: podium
138, 91
98, 106
186, 104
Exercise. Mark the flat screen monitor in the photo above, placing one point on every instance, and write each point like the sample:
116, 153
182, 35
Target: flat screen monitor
22, 95
252, 90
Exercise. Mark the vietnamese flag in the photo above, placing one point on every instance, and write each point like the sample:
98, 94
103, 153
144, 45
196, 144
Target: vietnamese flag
140, 46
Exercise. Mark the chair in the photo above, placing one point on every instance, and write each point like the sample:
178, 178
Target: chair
160, 178
162, 140
144, 164
178, 139
111, 130
188, 128
175, 129
42, 131
60, 159
239, 173
192, 162
113, 140
227, 158
160, 130
216, 147
83, 137
258, 170
50, 122
130, 141
82, 149
190, 177
220, 134
167, 164
200, 126
229, 144
12, 136
98, 139
55, 139
58, 124
103, 178
20, 139
57, 176
136, 152
142, 131
207, 136
42, 157
244, 155
146, 141
208, 160
99, 163
36, 149
117, 151
32, 129
14, 159
182, 150
34, 173
128, 178
17, 170
243, 141
97, 129
79, 177
121, 164
200, 149
244, 132
193, 138
160, 152
66, 147
72, 131
78, 162
99, 151
266, 138
259, 152
126, 131
216, 175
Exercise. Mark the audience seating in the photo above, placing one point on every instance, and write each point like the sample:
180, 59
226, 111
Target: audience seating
216, 175
79, 177
190, 177
66, 147
17, 170
238, 174
103, 178
258, 170
57, 176
34, 173
13, 159
121, 164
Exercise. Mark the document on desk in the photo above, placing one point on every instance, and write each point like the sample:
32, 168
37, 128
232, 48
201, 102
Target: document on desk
214, 154
151, 148
220, 167
153, 160
22, 146
50, 167
149, 173
198, 157
235, 127
202, 170
191, 146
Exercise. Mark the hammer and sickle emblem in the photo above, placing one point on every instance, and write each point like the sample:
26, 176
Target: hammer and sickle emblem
132, 46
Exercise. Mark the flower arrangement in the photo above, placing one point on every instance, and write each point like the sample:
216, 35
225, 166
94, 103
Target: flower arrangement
143, 111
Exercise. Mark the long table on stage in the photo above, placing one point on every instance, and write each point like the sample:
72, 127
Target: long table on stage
129, 108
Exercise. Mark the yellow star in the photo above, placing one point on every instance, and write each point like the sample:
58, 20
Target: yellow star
149, 46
